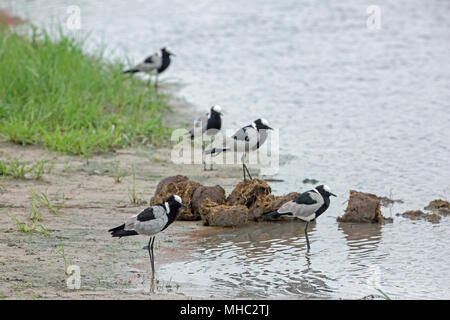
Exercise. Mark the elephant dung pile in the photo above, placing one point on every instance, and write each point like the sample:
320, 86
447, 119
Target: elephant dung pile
247, 202
363, 207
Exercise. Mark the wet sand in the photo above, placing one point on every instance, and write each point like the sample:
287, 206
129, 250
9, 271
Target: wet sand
32, 265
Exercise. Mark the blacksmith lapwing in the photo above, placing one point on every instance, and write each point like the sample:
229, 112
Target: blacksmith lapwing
307, 206
155, 63
209, 125
150, 222
246, 139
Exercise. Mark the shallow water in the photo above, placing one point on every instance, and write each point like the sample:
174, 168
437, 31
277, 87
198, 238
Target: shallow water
356, 108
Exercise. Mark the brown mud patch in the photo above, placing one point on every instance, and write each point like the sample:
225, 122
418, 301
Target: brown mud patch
32, 264
439, 206
420, 215
363, 207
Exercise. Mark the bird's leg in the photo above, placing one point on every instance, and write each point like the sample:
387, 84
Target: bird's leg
306, 234
150, 252
203, 154
156, 82
244, 167
211, 164
249, 175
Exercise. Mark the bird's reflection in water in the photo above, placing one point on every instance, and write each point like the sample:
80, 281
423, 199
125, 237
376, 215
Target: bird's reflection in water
262, 259
363, 240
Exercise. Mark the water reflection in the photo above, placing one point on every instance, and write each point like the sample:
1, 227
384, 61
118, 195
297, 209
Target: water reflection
363, 240
263, 260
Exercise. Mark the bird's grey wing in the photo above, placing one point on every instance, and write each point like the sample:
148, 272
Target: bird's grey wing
308, 197
245, 139
303, 206
145, 215
239, 135
200, 124
151, 58
151, 63
129, 225
252, 138
262, 137
242, 133
148, 214
151, 220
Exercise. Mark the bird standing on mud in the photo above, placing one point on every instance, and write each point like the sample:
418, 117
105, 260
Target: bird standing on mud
307, 206
246, 139
150, 222
209, 125
153, 64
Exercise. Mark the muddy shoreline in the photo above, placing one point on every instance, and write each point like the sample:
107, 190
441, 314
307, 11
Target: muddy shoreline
91, 200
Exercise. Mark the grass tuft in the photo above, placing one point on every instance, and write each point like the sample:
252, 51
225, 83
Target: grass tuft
53, 93
19, 170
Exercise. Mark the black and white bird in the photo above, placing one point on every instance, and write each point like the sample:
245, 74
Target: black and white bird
154, 64
307, 206
150, 222
246, 139
209, 125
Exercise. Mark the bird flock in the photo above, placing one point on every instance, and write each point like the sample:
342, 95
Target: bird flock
308, 206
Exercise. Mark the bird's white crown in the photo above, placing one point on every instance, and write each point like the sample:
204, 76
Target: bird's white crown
168, 50
264, 122
326, 188
177, 199
254, 125
217, 108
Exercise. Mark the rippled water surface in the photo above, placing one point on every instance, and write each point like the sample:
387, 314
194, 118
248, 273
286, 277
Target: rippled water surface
356, 109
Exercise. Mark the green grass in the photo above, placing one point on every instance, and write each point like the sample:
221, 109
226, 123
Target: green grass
385, 296
26, 227
44, 202
53, 93
21, 170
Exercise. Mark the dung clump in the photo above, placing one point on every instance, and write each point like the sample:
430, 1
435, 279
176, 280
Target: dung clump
173, 179
255, 195
363, 207
215, 194
387, 202
246, 193
223, 215
420, 215
439, 206
185, 189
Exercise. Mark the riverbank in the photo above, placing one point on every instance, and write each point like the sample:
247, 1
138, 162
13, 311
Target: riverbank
82, 148
56, 95
84, 200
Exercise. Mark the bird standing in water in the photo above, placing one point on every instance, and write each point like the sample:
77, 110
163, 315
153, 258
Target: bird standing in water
150, 222
307, 206
246, 139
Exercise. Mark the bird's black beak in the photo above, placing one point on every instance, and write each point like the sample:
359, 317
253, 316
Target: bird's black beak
183, 205
333, 194
269, 128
